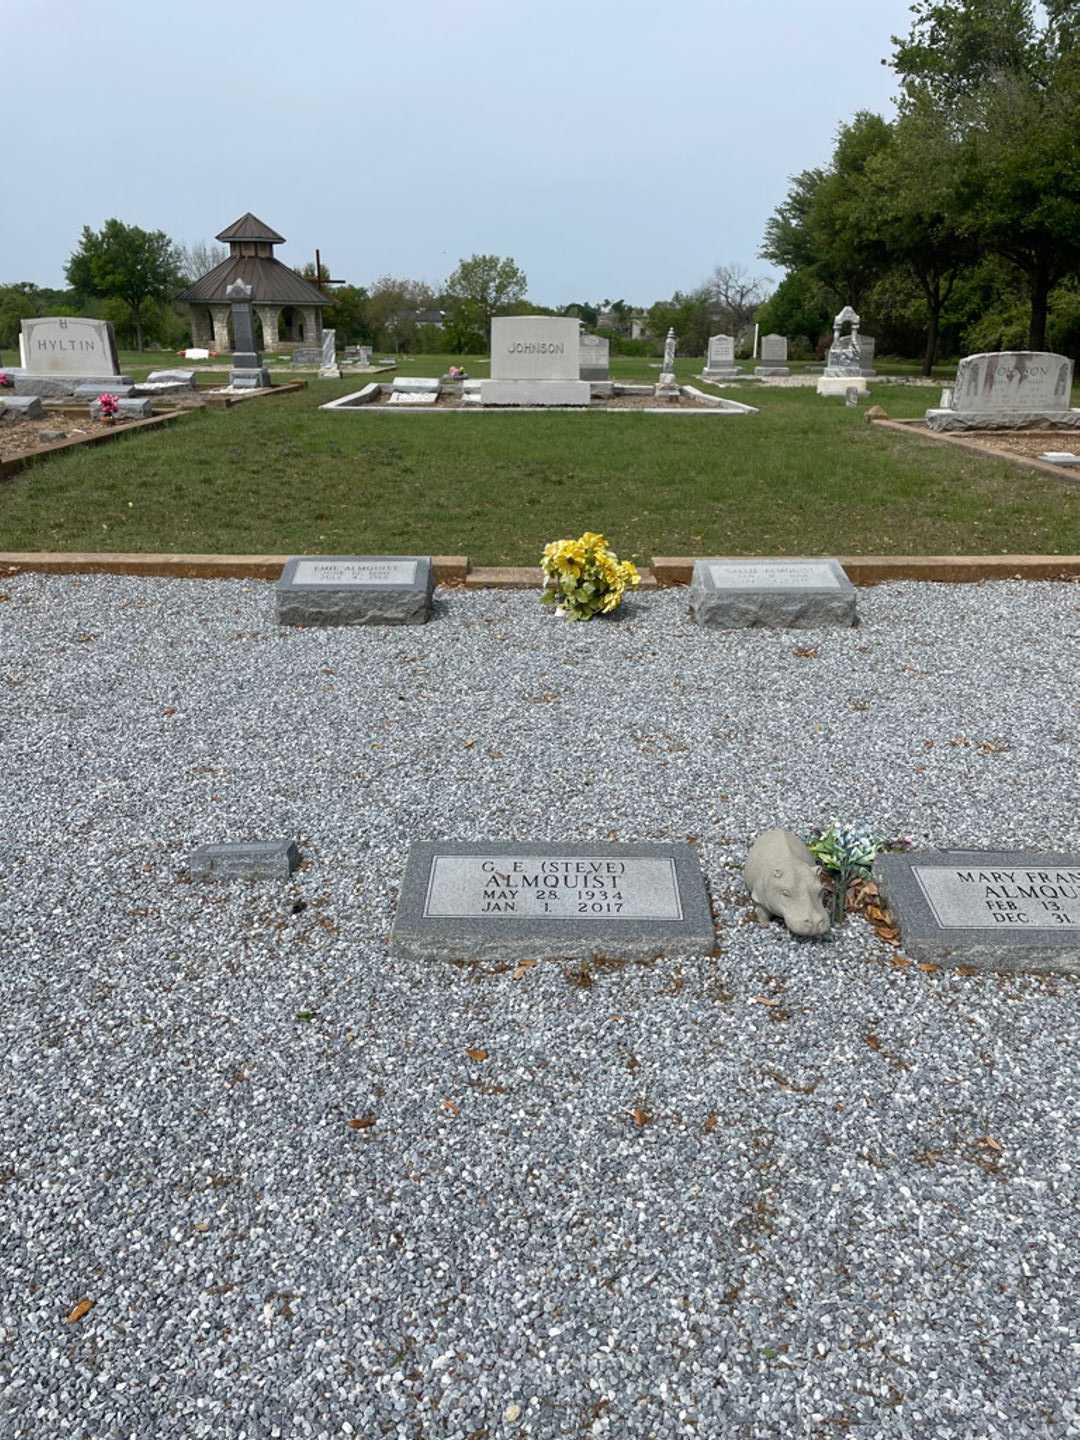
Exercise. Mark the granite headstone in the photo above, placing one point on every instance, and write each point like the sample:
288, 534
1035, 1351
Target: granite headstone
735, 594
1010, 390
991, 909
502, 900
355, 590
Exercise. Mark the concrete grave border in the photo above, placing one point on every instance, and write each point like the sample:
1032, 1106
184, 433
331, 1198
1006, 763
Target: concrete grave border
921, 431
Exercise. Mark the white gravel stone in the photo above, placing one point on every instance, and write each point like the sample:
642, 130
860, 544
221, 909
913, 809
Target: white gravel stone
811, 1233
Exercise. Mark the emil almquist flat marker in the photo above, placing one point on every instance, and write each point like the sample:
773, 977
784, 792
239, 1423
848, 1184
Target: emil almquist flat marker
510, 901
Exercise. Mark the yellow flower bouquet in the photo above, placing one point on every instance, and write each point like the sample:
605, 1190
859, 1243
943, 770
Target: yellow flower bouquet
583, 578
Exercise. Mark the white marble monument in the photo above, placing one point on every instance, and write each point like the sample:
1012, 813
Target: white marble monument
535, 360
720, 360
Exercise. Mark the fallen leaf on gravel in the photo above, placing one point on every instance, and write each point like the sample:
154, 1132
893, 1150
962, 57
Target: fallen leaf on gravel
641, 1116
451, 1108
901, 962
805, 652
967, 970
469, 744
710, 1122
762, 1000
888, 933
362, 1122
78, 1310
522, 968
874, 1042
989, 1143
477, 1055
170, 711
875, 912
928, 967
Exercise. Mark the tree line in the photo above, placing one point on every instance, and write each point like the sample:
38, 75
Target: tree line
958, 222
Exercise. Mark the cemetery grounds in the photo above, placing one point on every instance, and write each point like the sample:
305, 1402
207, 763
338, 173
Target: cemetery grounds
260, 1177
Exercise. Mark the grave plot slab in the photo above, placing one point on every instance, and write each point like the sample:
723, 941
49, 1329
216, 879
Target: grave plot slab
245, 860
355, 590
501, 900
997, 910
773, 594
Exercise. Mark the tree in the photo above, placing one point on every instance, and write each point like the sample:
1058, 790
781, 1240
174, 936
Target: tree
916, 204
199, 259
797, 308
486, 283
734, 295
820, 226
137, 266
391, 310
348, 314
1014, 89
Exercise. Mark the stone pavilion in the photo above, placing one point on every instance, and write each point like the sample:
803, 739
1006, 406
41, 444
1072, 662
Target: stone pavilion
288, 309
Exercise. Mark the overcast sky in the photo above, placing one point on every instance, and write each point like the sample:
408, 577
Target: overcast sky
614, 148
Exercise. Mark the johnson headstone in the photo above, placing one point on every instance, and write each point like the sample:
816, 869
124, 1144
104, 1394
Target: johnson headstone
355, 590
996, 910
1010, 390
771, 594
500, 900
535, 360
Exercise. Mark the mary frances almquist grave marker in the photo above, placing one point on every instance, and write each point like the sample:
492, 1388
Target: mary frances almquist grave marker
996, 910
505, 901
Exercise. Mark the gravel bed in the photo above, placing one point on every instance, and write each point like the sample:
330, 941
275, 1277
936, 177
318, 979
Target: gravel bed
852, 1209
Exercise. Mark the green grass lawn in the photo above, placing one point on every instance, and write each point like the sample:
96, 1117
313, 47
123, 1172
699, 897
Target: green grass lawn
806, 475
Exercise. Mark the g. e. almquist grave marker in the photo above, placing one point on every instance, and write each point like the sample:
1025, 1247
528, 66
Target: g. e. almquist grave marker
513, 901
996, 910
355, 590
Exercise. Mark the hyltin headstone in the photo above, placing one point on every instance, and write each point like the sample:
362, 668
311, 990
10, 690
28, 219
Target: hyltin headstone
502, 900
992, 909
59, 353
771, 594
1010, 390
355, 590
773, 356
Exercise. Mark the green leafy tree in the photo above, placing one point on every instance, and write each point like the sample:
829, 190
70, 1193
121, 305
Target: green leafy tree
797, 308
137, 266
1010, 75
485, 284
347, 313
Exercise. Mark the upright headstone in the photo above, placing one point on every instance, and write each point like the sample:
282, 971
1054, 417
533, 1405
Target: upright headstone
355, 590
667, 365
535, 360
720, 360
1010, 390
595, 357
773, 356
771, 594
328, 367
501, 900
867, 346
247, 371
844, 366
59, 353
995, 910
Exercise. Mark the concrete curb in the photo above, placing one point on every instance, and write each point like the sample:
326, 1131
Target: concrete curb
455, 570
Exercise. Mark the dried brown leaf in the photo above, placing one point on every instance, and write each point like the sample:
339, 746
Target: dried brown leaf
522, 968
477, 1055
451, 1108
710, 1122
362, 1122
78, 1310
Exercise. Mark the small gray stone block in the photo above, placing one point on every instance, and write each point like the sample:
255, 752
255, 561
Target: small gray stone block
355, 590
22, 407
992, 909
45, 386
737, 594
415, 384
250, 379
133, 409
247, 360
768, 372
95, 391
173, 377
245, 859
503, 900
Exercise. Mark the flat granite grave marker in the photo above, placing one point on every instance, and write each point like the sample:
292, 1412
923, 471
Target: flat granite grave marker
245, 859
355, 590
775, 594
530, 900
1011, 910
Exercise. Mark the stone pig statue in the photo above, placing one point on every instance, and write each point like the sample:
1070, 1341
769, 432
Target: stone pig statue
783, 879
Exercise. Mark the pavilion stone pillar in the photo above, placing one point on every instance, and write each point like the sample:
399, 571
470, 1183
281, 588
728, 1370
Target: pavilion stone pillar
311, 318
202, 331
220, 315
268, 319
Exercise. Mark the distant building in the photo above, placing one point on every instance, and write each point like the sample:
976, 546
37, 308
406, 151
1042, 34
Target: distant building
288, 308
